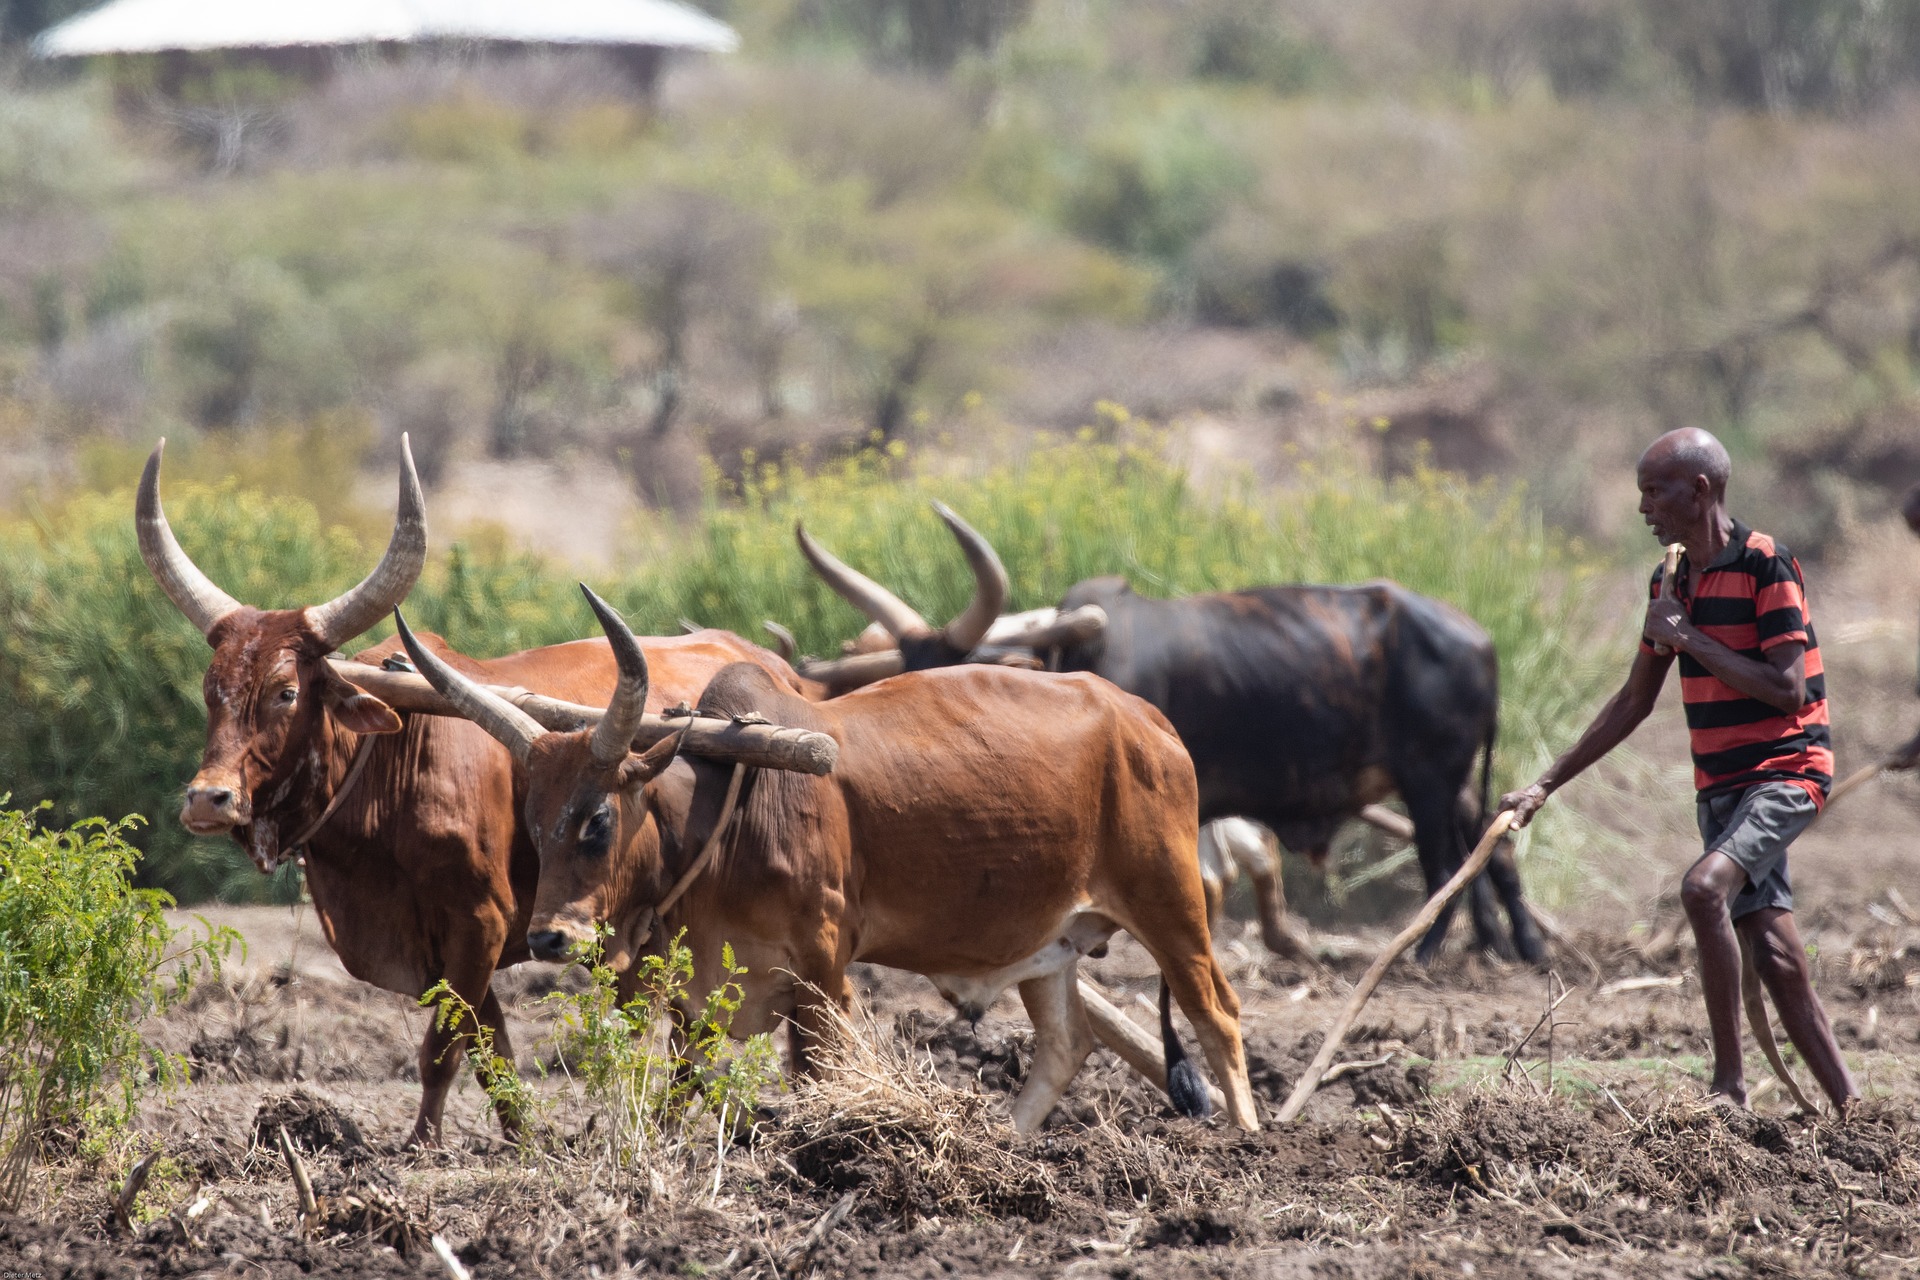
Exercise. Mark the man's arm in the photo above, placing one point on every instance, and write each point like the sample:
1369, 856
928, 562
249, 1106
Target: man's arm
1617, 720
1778, 679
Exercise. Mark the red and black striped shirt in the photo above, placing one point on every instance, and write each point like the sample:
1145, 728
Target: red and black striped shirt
1752, 598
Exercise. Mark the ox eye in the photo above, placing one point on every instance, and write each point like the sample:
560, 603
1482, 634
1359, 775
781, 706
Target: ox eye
596, 833
289, 693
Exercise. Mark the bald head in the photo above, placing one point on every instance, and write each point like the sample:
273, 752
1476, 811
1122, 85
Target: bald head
1687, 453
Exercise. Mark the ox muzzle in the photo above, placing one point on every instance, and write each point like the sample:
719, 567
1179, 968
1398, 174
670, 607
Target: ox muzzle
215, 804
559, 941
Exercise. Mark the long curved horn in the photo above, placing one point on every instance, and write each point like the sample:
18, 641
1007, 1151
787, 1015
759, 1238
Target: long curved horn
990, 586
513, 728
860, 591
191, 591
343, 618
782, 639
844, 675
613, 736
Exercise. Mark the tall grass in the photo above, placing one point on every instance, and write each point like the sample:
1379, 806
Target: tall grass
102, 675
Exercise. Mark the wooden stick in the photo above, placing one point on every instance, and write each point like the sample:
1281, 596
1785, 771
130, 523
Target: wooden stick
302, 1184
797, 1254
1127, 1038
1756, 1004
449, 1261
765, 746
1048, 628
1337, 1032
1394, 824
1854, 781
130, 1190
1667, 589
1351, 1068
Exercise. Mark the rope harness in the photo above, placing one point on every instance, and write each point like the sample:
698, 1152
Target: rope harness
359, 766
700, 863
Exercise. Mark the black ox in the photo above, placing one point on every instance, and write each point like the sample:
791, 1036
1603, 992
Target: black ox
1300, 705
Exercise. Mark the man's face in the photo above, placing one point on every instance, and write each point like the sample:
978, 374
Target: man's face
1671, 500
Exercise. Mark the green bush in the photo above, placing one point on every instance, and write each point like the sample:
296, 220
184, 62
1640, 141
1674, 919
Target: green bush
1155, 188
644, 1096
84, 956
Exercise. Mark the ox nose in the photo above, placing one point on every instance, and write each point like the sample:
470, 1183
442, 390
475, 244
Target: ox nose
210, 809
549, 944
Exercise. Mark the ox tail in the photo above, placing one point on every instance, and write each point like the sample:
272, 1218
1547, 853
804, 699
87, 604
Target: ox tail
1486, 772
1185, 1086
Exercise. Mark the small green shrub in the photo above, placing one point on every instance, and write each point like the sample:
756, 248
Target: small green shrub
644, 1096
84, 956
609, 1049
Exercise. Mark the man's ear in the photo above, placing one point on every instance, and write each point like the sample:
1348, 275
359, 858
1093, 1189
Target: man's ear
352, 709
649, 765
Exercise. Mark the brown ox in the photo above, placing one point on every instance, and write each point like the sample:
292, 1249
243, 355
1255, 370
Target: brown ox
984, 827
420, 871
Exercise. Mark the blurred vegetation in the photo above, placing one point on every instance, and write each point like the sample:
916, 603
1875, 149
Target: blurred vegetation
1612, 215
100, 702
1512, 238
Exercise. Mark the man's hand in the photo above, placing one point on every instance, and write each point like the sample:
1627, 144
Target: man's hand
1667, 623
1525, 803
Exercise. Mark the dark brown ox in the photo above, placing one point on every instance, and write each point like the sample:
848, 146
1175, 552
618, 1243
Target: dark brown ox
418, 868
985, 827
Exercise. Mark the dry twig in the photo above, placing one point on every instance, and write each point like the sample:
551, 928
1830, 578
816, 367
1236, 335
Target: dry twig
131, 1188
302, 1185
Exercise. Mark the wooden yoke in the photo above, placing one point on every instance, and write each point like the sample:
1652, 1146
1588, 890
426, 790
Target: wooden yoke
765, 746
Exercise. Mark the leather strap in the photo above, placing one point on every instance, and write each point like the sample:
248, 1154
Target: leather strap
700, 863
358, 767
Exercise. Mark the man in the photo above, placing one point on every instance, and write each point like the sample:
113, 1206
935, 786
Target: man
1908, 756
1736, 617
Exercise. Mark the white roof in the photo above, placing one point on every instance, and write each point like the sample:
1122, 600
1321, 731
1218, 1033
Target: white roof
147, 26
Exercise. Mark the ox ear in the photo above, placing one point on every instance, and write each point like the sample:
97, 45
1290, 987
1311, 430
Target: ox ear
352, 709
651, 763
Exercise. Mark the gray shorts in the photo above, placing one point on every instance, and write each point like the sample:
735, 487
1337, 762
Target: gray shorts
1754, 828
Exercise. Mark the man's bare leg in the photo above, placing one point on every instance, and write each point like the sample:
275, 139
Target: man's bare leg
1705, 891
1781, 961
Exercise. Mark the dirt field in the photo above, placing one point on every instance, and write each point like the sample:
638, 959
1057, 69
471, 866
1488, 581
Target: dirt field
1489, 1140
1459, 1155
